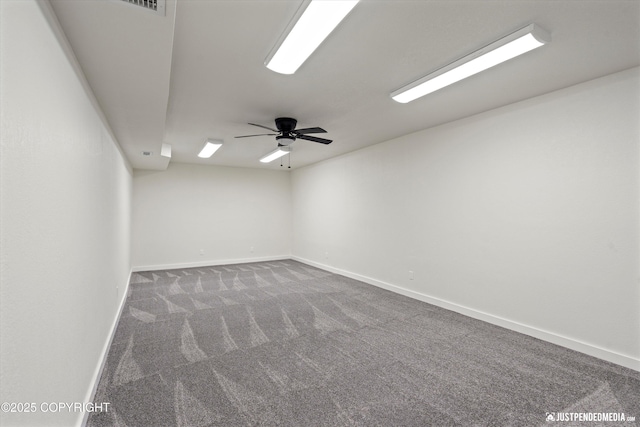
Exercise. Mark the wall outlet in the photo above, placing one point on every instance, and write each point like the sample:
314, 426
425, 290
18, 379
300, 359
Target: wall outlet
410, 275
326, 255
201, 252
251, 249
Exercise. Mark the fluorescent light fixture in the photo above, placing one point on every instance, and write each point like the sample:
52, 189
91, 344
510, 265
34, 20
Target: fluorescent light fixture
210, 147
522, 41
276, 154
166, 150
313, 22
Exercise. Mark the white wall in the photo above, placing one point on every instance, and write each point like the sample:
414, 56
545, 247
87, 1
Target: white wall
65, 227
526, 216
222, 211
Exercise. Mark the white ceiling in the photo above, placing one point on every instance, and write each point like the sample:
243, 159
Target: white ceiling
198, 71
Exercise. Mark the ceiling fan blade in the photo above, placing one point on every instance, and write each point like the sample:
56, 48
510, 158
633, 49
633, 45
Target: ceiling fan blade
260, 134
310, 130
314, 139
264, 127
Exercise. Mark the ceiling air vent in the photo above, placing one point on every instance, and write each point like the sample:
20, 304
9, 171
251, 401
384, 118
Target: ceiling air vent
154, 5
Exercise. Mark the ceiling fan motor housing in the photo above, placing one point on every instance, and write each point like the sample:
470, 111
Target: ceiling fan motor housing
286, 124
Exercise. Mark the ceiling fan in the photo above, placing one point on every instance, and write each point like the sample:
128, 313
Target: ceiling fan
287, 133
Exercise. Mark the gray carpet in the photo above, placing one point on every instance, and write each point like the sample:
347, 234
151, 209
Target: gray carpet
284, 344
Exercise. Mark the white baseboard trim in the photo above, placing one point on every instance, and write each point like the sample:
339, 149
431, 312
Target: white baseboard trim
105, 351
209, 263
570, 343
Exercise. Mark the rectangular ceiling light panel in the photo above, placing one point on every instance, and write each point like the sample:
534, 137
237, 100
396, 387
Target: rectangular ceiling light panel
313, 22
276, 154
210, 147
515, 44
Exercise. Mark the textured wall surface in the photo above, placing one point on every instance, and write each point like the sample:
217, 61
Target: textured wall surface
66, 209
202, 215
528, 213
